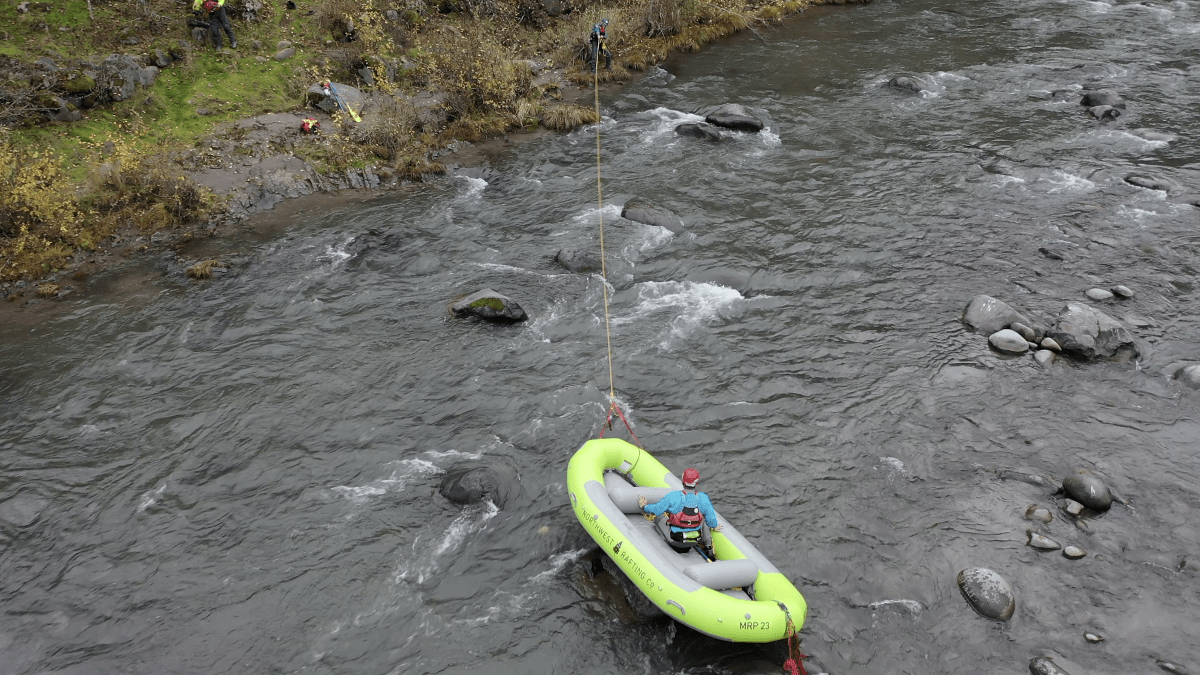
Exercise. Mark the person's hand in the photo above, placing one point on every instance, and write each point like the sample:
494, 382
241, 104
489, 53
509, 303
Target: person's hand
641, 502
718, 528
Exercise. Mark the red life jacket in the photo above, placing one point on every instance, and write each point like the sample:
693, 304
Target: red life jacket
687, 519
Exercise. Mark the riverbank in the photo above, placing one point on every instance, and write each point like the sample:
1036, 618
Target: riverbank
246, 166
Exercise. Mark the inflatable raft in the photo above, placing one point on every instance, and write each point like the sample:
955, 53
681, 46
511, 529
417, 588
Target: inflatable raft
740, 597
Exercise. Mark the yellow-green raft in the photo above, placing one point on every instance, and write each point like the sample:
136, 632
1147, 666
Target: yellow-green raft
740, 597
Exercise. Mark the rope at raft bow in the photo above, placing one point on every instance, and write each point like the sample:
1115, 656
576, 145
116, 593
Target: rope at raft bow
795, 661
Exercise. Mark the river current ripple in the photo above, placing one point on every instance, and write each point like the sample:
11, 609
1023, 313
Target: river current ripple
241, 475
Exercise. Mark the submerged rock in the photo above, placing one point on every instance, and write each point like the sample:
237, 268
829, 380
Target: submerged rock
1171, 667
469, 485
640, 211
1099, 294
1089, 490
987, 593
1122, 291
985, 314
1088, 333
22, 510
1105, 113
1073, 507
1044, 665
1044, 357
1150, 182
578, 261
489, 306
905, 84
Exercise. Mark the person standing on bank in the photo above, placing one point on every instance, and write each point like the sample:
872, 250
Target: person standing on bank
598, 45
217, 20
688, 513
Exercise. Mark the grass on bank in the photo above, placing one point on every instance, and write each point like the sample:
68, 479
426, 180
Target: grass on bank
65, 187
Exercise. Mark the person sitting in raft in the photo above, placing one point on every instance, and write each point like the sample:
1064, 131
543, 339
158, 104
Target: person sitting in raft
687, 512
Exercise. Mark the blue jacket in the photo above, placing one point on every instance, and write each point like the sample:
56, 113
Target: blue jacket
675, 501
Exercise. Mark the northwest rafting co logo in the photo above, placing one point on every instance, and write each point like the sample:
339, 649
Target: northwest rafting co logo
617, 548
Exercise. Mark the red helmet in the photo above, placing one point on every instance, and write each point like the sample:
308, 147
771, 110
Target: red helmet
691, 477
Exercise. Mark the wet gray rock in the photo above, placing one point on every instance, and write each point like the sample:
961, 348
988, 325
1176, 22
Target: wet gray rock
987, 593
1074, 552
578, 261
22, 510
1044, 665
1099, 97
1049, 343
700, 130
640, 211
1073, 507
1009, 341
1189, 376
1105, 113
1044, 357
1093, 637
985, 314
1024, 331
489, 306
734, 116
1122, 291
1089, 490
1051, 254
1088, 333
468, 485
1151, 183
1040, 542
1171, 667
1039, 513
904, 84
1099, 294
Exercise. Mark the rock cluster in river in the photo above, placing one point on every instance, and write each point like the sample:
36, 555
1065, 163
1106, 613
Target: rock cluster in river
1079, 330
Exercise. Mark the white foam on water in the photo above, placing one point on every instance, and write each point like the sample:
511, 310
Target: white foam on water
150, 497
893, 465
1001, 181
405, 472
693, 303
1062, 181
456, 454
336, 255
557, 563
911, 606
424, 561
474, 186
658, 75
662, 122
1184, 29
648, 237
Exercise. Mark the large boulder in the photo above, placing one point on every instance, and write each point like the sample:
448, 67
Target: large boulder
489, 306
905, 84
1089, 490
640, 211
351, 96
987, 593
120, 75
1088, 333
734, 116
987, 315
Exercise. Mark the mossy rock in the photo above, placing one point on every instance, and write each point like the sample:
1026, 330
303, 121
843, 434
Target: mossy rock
80, 84
489, 306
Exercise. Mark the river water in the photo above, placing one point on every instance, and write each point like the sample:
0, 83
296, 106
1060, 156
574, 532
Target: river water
241, 475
